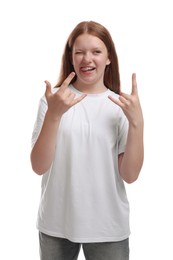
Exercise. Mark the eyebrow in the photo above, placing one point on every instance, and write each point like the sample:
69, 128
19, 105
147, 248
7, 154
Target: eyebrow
95, 48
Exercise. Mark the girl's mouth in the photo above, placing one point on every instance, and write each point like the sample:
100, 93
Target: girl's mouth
85, 69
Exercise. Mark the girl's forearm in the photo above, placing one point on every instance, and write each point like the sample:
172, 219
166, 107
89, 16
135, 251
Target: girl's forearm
43, 151
133, 157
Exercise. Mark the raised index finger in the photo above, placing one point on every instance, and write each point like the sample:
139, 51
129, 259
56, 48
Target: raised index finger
67, 81
134, 84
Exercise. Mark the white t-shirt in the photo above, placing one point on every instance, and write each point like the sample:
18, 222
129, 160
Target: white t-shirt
83, 197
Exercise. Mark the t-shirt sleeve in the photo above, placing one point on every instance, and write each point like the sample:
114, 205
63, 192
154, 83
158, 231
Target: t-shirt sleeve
122, 133
39, 120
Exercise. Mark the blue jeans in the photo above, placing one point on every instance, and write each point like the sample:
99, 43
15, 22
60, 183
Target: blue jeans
54, 248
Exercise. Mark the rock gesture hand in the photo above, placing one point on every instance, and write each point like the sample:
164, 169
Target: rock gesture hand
63, 99
130, 104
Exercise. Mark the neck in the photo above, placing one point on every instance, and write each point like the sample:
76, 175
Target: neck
90, 88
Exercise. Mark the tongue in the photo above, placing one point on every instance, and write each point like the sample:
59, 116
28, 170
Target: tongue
89, 69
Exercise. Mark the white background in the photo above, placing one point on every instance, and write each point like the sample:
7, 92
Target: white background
32, 38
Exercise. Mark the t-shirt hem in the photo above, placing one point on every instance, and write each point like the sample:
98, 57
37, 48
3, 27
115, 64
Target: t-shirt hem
84, 239
121, 149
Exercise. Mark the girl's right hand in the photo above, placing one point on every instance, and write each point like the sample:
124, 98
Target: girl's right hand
60, 101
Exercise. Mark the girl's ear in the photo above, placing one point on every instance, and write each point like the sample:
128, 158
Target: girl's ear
108, 61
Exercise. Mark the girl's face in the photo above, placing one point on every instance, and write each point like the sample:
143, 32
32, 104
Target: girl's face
89, 58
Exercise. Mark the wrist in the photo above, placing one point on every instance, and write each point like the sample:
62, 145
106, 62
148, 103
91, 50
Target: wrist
52, 118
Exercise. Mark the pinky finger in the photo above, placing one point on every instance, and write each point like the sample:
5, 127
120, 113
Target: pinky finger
116, 101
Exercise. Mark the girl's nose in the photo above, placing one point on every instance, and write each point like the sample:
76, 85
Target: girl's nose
87, 57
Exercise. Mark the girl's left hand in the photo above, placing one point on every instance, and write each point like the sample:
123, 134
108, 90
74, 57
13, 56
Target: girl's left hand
130, 104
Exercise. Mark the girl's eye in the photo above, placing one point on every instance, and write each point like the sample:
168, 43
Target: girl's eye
97, 52
78, 52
